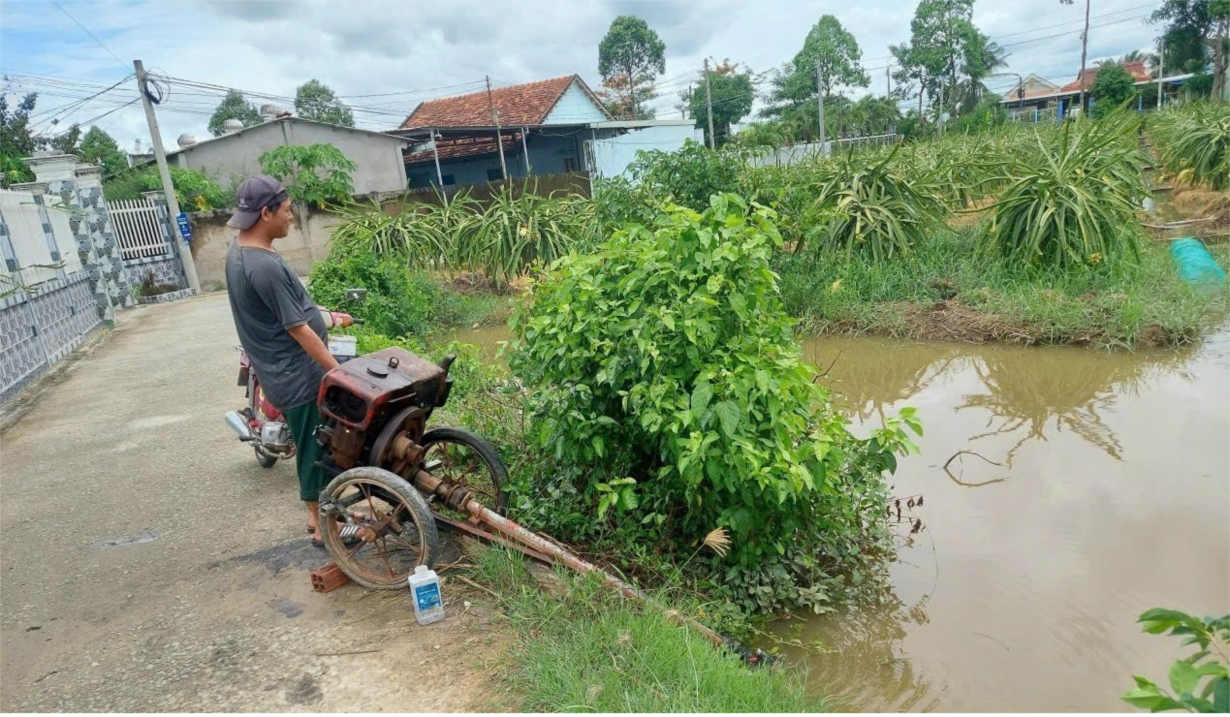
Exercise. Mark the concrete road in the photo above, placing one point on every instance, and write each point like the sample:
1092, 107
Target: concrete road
148, 564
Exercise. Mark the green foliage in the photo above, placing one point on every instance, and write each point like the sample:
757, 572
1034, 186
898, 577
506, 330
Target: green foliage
944, 46
314, 173
633, 51
504, 239
688, 176
1195, 33
665, 381
1128, 307
397, 304
1112, 86
830, 50
1072, 198
15, 140
193, 190
732, 96
63, 142
1194, 142
589, 650
871, 207
98, 147
1199, 682
986, 115
315, 100
233, 106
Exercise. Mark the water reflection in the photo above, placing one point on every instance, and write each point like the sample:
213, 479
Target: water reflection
1026, 393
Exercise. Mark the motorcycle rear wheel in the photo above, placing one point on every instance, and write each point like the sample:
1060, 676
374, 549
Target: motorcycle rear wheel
264, 458
395, 525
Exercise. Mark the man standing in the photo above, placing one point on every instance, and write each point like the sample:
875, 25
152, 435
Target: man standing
280, 327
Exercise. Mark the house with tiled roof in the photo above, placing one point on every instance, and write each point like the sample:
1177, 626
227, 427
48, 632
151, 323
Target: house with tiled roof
1037, 99
547, 127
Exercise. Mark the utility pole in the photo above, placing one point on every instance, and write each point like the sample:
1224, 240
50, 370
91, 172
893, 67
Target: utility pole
888, 83
1084, 48
1161, 69
495, 119
709, 104
688, 104
820, 103
940, 110
168, 189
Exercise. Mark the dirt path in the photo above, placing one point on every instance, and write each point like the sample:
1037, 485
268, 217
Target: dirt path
148, 564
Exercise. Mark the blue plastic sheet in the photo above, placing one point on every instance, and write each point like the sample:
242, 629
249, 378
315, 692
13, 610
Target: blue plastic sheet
1195, 264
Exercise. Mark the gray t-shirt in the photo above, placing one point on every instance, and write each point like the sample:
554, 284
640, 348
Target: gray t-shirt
266, 300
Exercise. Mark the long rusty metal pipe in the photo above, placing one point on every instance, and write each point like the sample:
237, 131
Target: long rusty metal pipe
448, 492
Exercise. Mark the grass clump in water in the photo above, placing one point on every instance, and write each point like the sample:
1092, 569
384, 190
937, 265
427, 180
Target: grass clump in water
586, 649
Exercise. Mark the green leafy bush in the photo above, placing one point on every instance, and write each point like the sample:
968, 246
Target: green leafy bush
1201, 681
689, 175
666, 384
314, 173
398, 302
193, 190
1070, 198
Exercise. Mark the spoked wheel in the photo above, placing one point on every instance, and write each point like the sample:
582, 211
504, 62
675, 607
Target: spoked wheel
469, 460
387, 522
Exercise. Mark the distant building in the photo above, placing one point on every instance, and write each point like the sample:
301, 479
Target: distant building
548, 127
1038, 99
236, 155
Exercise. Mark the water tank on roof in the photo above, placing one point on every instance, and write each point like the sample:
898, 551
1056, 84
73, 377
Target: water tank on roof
185, 140
232, 125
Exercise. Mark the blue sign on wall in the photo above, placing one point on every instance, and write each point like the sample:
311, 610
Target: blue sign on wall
185, 229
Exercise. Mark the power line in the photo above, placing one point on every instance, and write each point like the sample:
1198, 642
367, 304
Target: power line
87, 31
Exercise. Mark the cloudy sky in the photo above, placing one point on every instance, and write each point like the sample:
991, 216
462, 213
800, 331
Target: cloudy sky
385, 57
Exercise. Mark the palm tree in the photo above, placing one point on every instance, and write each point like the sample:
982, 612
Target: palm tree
973, 88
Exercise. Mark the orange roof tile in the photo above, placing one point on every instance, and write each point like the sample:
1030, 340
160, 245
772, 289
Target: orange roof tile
1135, 69
526, 104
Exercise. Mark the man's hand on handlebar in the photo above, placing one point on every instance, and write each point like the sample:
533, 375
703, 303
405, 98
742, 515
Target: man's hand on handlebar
337, 319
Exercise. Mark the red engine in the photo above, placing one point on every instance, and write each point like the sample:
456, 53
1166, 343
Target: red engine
389, 392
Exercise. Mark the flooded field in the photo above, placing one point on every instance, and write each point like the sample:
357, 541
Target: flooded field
1022, 592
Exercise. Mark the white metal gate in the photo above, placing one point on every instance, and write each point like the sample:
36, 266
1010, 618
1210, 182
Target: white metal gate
138, 227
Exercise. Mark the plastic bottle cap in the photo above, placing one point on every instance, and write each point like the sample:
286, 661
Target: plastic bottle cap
419, 569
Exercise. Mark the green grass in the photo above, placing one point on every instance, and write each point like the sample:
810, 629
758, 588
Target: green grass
587, 650
1141, 303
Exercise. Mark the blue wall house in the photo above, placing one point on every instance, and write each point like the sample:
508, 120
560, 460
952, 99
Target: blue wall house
554, 126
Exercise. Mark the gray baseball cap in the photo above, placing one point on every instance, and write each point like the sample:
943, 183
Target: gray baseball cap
256, 193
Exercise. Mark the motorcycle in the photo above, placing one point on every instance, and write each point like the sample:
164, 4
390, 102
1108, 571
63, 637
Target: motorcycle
260, 423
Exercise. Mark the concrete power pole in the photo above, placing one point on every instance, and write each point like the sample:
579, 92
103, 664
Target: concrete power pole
1161, 69
1084, 48
495, 119
709, 104
168, 189
820, 103
888, 83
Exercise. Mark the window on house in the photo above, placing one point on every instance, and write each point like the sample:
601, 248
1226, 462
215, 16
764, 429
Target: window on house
418, 180
494, 175
449, 179
570, 164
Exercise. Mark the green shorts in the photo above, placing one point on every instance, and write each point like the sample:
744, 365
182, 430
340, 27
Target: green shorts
303, 421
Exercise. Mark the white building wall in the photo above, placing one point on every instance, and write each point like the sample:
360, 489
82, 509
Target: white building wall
611, 157
575, 107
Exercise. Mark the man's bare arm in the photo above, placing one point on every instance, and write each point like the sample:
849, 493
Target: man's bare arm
314, 347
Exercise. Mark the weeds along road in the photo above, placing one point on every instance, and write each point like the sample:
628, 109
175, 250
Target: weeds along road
148, 564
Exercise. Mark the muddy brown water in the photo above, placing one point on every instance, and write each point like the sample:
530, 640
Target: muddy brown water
1022, 591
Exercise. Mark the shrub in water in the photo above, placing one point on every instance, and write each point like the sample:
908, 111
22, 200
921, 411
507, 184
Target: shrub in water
667, 383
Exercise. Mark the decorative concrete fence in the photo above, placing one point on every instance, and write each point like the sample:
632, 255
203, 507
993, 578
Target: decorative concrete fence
65, 273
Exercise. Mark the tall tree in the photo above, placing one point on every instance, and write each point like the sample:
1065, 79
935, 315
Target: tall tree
733, 95
912, 77
315, 100
1197, 29
16, 141
233, 106
632, 49
984, 57
98, 147
829, 58
944, 43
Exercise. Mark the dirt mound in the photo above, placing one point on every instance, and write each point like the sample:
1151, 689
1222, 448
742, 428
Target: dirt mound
1206, 204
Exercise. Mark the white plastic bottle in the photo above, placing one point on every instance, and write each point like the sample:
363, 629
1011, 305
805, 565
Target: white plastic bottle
425, 589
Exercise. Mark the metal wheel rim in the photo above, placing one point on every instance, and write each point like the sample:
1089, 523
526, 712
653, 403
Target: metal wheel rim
461, 471
392, 557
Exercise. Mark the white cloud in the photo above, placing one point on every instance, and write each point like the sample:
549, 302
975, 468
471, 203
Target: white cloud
371, 47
